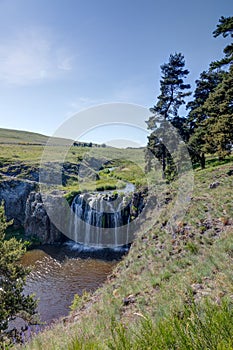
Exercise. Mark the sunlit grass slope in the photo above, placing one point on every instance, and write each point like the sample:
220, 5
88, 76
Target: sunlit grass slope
18, 136
174, 290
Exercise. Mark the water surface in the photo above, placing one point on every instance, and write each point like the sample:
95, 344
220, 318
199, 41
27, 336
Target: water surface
57, 276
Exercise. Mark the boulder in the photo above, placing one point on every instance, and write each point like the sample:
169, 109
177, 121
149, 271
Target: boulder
214, 184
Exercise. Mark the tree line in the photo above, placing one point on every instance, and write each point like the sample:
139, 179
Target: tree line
207, 127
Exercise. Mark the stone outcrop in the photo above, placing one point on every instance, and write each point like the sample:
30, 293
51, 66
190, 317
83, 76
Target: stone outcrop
137, 204
21, 171
14, 193
23, 204
37, 222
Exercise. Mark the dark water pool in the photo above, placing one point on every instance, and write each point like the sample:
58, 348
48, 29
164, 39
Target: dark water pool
57, 274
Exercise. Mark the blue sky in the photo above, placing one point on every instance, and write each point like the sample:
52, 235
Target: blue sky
59, 57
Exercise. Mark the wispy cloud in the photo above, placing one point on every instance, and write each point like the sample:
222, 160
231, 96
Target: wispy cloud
130, 92
127, 92
32, 56
82, 103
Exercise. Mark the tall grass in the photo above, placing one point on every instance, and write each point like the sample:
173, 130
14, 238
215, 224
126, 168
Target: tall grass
206, 326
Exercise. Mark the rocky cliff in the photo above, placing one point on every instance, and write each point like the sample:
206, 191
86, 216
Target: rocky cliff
14, 193
37, 222
23, 204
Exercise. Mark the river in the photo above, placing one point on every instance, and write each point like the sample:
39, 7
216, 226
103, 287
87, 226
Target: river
58, 273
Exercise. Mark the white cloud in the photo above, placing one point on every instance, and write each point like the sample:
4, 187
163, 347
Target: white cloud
82, 103
31, 56
65, 63
130, 92
126, 93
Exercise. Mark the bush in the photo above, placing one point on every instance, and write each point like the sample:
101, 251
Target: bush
13, 277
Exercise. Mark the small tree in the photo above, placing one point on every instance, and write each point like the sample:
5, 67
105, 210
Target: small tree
13, 303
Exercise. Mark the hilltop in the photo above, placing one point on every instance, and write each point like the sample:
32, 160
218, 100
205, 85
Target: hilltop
21, 137
9, 136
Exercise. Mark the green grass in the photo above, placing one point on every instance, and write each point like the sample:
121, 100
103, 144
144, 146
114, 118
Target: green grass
9, 136
197, 327
180, 283
27, 157
17, 136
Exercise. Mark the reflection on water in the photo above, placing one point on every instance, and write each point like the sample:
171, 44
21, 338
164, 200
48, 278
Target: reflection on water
55, 279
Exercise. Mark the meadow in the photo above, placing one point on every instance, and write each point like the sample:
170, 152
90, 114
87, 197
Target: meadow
22, 153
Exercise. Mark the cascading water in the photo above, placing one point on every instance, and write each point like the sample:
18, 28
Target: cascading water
101, 219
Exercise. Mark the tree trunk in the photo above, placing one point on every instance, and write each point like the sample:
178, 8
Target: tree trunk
163, 161
202, 160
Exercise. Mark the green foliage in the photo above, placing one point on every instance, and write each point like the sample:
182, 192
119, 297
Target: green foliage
172, 88
210, 117
173, 93
82, 344
196, 327
13, 276
198, 115
219, 125
71, 195
192, 247
120, 339
208, 128
106, 187
78, 300
224, 28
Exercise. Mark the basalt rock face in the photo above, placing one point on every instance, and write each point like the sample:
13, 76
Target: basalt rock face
37, 222
14, 193
24, 205
137, 203
37, 215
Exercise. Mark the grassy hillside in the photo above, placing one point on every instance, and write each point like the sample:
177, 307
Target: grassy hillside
174, 290
23, 137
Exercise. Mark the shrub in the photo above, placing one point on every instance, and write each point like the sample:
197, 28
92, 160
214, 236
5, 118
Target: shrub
13, 277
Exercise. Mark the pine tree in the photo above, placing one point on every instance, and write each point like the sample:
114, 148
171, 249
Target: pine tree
219, 125
211, 113
225, 28
12, 280
198, 115
172, 96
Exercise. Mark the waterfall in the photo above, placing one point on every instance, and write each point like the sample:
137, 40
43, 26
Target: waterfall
101, 219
